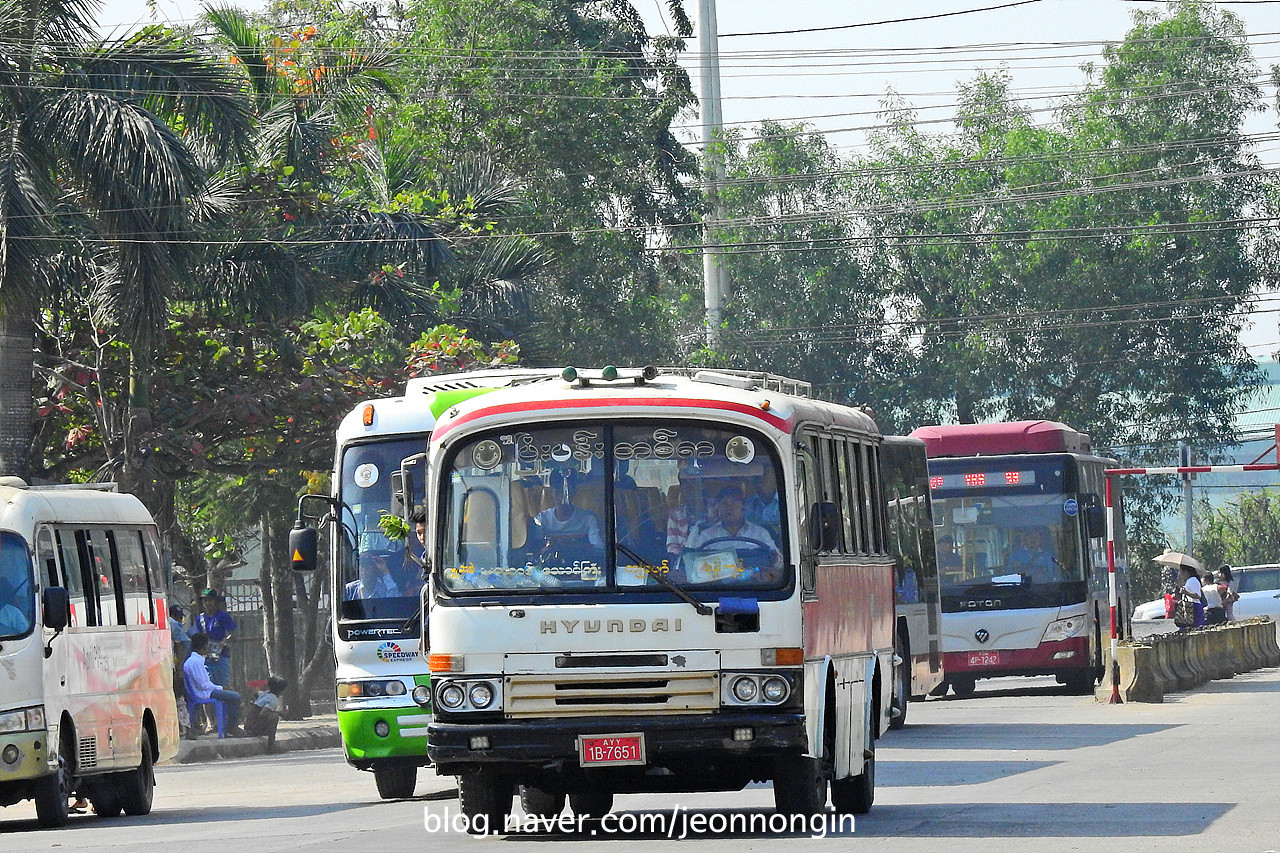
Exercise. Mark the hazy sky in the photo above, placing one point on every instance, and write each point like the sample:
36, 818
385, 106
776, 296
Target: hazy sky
836, 79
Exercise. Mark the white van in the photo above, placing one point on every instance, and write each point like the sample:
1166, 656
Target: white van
86, 660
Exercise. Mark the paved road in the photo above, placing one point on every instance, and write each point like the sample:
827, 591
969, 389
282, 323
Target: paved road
1020, 767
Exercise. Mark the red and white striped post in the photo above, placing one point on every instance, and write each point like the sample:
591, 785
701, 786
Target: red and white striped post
1113, 595
1111, 540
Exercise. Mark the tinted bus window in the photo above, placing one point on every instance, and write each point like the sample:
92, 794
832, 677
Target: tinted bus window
17, 597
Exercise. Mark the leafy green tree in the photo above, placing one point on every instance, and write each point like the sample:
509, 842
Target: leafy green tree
1244, 532
576, 101
802, 304
88, 151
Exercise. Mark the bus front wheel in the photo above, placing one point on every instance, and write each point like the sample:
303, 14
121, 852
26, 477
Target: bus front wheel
395, 781
592, 805
541, 803
53, 793
485, 799
799, 787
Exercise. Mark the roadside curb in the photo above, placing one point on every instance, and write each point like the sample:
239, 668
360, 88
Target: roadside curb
209, 748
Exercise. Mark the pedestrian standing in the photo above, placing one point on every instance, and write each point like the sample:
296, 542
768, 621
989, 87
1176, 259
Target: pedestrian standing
1232, 595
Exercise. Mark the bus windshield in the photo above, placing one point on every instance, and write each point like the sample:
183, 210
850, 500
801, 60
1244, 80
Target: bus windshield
1020, 548
17, 600
377, 578
589, 507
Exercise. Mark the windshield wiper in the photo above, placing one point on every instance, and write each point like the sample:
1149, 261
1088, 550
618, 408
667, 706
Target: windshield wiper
656, 573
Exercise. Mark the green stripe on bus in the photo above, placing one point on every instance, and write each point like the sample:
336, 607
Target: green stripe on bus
440, 401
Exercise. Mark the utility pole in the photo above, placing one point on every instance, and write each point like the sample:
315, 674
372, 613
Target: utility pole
713, 274
1186, 460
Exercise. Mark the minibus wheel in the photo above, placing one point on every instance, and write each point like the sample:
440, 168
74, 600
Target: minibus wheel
855, 794
138, 786
53, 793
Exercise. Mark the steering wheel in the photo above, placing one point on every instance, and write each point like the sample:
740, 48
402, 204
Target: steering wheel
755, 544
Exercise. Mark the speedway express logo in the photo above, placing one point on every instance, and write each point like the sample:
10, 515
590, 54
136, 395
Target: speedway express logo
391, 652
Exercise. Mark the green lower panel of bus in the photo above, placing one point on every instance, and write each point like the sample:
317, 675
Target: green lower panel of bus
23, 756
372, 733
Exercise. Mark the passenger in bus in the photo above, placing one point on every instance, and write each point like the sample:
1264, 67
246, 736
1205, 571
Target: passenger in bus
567, 532
949, 561
762, 506
375, 579
15, 592
685, 517
732, 531
1033, 558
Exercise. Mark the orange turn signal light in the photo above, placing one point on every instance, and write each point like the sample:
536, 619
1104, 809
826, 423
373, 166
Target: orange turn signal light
366, 415
444, 663
781, 657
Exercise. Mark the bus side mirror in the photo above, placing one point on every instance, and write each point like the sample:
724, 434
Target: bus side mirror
302, 547
824, 525
401, 488
56, 602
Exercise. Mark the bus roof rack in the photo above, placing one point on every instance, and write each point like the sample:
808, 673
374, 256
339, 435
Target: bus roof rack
746, 379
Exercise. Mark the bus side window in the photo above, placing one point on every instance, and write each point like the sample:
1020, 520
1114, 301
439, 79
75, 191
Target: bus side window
157, 579
105, 577
46, 558
84, 610
126, 546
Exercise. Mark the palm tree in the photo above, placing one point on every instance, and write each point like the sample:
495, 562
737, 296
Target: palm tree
87, 129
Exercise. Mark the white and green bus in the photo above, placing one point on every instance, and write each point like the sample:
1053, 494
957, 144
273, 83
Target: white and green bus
376, 623
86, 660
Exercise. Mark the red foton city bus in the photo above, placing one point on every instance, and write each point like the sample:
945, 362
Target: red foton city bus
1021, 539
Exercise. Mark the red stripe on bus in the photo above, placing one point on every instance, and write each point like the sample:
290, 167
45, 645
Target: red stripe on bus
782, 424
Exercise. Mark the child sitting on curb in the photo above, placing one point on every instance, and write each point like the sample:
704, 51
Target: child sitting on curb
263, 715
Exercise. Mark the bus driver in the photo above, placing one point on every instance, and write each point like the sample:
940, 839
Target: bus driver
731, 530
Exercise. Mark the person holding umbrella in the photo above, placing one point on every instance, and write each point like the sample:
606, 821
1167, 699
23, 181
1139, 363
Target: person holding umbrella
1188, 586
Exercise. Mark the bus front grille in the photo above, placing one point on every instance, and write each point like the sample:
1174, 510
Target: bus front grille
563, 694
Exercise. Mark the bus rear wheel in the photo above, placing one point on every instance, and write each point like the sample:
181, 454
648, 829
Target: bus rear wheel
855, 794
395, 781
901, 685
138, 786
485, 800
53, 793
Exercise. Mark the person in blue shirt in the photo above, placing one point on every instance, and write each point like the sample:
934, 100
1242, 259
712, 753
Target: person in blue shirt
217, 623
1033, 558
375, 579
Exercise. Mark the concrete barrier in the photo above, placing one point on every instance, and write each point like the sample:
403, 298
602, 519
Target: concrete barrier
1170, 663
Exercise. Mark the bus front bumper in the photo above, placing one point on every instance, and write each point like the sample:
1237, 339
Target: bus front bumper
1052, 658
23, 756
669, 741
365, 744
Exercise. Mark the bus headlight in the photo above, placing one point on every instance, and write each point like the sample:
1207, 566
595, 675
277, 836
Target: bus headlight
754, 688
481, 695
775, 689
22, 720
370, 688
744, 688
422, 695
1063, 629
451, 696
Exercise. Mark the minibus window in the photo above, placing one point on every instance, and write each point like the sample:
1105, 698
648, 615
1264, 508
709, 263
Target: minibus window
17, 597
